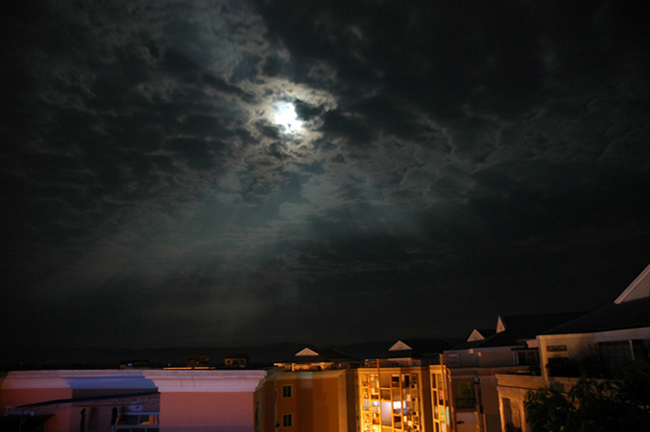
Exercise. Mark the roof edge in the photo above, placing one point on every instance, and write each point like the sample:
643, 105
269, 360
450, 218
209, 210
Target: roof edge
637, 283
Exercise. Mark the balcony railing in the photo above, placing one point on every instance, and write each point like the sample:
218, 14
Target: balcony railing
464, 403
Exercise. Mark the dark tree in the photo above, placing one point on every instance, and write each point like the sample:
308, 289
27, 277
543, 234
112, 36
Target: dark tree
596, 405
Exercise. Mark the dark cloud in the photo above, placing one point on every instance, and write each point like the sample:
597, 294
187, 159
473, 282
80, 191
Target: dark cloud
223, 86
342, 125
268, 130
306, 111
456, 160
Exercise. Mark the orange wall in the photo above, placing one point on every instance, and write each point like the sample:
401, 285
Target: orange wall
326, 395
206, 412
318, 402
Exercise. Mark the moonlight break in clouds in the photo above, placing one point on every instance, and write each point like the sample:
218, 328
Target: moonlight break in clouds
231, 172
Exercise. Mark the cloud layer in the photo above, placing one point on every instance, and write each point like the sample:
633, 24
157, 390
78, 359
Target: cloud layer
454, 162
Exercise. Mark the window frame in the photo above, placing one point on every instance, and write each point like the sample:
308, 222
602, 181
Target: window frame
287, 391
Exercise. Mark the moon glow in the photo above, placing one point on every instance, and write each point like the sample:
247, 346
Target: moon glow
285, 115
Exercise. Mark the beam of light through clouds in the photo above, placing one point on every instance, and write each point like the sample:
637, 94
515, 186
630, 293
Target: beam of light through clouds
218, 172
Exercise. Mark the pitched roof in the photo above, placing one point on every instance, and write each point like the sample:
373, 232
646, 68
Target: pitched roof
625, 315
523, 327
480, 334
518, 329
417, 348
319, 355
639, 288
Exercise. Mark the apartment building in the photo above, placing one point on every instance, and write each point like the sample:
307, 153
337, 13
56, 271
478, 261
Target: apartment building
315, 390
405, 389
610, 337
511, 348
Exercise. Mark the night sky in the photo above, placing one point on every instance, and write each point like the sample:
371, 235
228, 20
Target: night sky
210, 173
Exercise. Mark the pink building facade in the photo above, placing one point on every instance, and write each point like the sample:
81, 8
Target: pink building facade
129, 400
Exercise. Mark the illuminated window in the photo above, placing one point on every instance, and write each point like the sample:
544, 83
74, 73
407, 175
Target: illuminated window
287, 420
397, 407
287, 391
386, 414
373, 381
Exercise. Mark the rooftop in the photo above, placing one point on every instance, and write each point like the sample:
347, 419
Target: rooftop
625, 315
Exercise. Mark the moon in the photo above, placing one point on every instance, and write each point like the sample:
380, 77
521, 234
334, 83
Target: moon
285, 115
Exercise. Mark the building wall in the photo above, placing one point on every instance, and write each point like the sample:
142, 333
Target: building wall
326, 415
578, 346
486, 357
490, 399
485, 415
512, 390
22, 388
63, 415
265, 406
189, 400
206, 412
320, 401
301, 404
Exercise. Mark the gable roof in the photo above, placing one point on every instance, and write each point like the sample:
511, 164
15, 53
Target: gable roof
400, 346
501, 325
307, 352
638, 289
524, 327
625, 315
417, 348
517, 329
319, 355
480, 334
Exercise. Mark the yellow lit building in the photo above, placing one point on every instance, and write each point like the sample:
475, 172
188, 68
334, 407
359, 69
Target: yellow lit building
405, 391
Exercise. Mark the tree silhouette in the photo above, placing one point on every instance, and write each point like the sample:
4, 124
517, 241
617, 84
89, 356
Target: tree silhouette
594, 405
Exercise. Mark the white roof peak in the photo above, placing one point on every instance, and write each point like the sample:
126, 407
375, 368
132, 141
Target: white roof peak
307, 352
501, 325
475, 336
638, 289
400, 346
